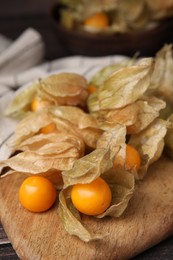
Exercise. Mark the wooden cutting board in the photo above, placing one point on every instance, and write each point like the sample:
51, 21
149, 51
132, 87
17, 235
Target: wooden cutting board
147, 220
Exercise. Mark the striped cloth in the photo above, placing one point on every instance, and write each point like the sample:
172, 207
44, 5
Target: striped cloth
16, 57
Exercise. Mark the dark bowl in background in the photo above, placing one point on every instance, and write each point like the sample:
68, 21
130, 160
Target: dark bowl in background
146, 42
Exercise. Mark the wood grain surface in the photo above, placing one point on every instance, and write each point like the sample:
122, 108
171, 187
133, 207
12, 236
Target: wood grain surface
147, 221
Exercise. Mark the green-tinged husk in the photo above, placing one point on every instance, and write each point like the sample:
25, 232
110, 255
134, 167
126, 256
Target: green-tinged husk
150, 144
124, 86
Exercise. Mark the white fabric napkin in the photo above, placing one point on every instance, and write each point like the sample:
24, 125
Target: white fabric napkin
16, 57
4, 43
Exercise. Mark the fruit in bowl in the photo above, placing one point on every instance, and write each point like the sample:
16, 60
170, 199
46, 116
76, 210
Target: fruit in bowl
113, 16
111, 27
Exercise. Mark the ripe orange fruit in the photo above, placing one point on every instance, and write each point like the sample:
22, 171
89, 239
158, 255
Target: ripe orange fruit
98, 21
38, 104
133, 159
91, 89
37, 194
92, 198
48, 129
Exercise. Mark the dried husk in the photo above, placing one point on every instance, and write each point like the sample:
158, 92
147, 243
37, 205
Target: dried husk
122, 185
88, 168
119, 24
75, 115
131, 10
143, 21
98, 163
126, 85
30, 161
93, 103
57, 89
85, 124
53, 144
114, 139
92, 165
67, 119
65, 89
160, 9
147, 111
90, 136
21, 102
71, 219
25, 128
135, 116
99, 78
150, 144
123, 87
46, 152
162, 77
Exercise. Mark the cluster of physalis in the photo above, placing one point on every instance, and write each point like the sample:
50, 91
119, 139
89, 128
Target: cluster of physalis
88, 143
113, 17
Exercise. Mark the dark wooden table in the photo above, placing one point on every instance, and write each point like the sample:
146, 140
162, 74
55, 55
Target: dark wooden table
15, 17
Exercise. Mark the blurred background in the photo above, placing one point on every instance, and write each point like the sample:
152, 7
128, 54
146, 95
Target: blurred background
17, 15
